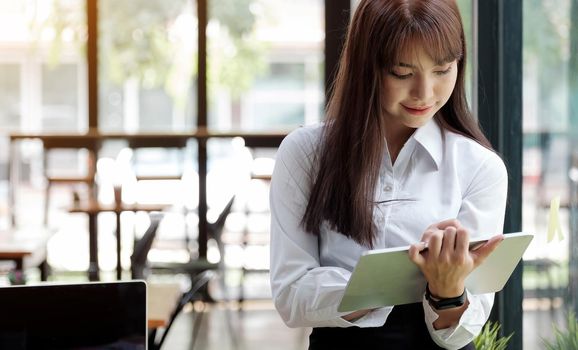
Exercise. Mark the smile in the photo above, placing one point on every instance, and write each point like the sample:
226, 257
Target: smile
417, 110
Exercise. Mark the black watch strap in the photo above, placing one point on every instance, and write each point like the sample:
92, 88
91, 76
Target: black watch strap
442, 304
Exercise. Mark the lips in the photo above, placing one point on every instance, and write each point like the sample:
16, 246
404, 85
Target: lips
418, 110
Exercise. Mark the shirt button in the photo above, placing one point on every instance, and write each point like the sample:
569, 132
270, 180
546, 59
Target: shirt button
387, 188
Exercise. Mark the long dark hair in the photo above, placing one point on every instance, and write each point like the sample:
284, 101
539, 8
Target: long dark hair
353, 139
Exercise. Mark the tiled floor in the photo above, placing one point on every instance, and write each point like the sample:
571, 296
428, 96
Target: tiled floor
256, 327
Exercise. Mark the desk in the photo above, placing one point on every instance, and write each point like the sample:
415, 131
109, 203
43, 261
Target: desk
162, 301
255, 139
92, 209
26, 246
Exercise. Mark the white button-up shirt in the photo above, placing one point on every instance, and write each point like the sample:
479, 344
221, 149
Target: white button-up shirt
445, 174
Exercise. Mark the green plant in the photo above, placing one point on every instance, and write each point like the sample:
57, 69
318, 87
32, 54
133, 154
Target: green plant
565, 339
490, 339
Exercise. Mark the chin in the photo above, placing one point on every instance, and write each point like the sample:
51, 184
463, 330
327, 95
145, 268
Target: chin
415, 123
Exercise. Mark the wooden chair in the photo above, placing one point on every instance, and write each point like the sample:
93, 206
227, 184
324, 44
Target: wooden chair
140, 144
200, 272
246, 239
25, 248
138, 259
87, 179
194, 293
194, 267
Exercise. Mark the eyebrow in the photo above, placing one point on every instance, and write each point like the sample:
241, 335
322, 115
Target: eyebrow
407, 65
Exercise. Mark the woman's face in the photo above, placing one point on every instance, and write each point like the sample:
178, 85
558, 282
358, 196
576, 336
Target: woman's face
416, 88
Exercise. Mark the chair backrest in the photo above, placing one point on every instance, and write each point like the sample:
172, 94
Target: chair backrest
92, 145
142, 247
215, 229
158, 142
168, 141
197, 283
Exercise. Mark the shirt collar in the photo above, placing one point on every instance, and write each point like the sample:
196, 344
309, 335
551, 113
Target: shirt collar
431, 138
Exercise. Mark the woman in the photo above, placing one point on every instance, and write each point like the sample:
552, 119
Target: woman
399, 161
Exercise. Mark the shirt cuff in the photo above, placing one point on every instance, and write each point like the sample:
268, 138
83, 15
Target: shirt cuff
374, 318
464, 331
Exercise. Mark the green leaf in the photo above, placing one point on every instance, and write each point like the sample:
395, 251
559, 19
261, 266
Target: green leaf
564, 339
489, 338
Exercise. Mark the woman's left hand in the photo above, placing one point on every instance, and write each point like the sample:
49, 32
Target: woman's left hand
448, 261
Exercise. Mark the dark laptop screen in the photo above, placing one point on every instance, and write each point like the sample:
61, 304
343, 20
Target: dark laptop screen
75, 316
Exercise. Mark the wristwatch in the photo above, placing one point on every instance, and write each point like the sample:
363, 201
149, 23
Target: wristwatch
443, 304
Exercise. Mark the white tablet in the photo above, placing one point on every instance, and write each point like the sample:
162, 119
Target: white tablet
386, 277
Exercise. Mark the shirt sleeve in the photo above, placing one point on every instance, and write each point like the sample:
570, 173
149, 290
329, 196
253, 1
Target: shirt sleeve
482, 213
305, 294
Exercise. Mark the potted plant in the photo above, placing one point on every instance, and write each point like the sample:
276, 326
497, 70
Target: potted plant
490, 339
565, 339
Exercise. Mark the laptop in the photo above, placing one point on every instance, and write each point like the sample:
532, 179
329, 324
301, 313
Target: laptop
387, 277
74, 316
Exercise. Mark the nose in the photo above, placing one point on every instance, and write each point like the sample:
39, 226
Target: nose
423, 89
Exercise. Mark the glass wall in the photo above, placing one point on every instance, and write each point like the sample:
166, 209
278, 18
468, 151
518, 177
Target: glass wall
147, 65
549, 166
41, 65
265, 73
42, 74
265, 67
10, 95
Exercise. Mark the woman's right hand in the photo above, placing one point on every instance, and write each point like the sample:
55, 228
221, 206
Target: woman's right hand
448, 261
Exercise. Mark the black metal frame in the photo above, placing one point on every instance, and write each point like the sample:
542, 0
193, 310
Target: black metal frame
203, 18
573, 159
499, 110
337, 14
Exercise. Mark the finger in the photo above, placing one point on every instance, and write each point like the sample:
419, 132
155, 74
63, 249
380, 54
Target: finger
442, 225
462, 241
475, 246
414, 253
435, 244
426, 235
480, 254
448, 244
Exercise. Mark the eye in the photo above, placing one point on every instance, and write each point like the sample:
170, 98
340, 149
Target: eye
399, 75
444, 72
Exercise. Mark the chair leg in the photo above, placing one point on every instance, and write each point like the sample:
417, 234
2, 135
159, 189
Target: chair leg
152, 345
44, 271
46, 202
197, 320
229, 316
241, 298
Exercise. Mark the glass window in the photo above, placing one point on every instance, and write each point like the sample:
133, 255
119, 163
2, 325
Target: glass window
42, 75
549, 97
41, 45
9, 108
9, 95
148, 52
60, 97
265, 69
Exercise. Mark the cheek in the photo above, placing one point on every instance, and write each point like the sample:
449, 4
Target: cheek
392, 95
445, 89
